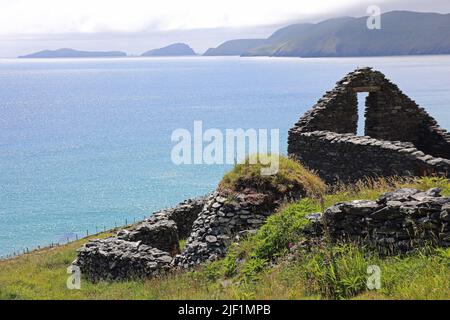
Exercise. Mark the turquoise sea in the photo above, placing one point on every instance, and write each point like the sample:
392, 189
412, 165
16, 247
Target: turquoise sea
85, 144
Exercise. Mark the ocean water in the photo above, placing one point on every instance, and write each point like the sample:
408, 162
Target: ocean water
85, 144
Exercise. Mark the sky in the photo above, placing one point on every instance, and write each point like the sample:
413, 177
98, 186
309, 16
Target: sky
136, 26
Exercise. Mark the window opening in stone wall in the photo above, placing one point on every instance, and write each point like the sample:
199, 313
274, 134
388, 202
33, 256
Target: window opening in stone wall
362, 96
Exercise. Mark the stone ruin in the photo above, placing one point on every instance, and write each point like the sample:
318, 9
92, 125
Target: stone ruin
401, 138
151, 248
144, 250
396, 222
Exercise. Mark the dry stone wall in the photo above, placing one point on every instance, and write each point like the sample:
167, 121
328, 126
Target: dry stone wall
184, 215
144, 250
116, 259
401, 138
221, 220
396, 222
158, 233
346, 157
152, 248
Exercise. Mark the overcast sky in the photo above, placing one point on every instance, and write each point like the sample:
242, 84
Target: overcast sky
135, 26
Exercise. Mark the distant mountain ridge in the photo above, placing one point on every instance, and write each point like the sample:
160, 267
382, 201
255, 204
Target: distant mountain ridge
176, 49
401, 33
71, 53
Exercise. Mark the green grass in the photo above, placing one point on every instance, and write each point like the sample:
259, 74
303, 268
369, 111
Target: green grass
258, 267
290, 176
182, 244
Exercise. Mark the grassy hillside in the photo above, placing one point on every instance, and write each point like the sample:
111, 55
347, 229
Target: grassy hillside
401, 33
260, 267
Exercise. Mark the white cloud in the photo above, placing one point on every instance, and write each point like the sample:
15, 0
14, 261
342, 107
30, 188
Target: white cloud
92, 16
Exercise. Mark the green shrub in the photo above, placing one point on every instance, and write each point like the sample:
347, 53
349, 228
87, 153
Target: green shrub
282, 229
253, 267
337, 272
230, 263
248, 258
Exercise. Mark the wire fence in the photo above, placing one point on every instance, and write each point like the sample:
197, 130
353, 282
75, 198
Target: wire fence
72, 238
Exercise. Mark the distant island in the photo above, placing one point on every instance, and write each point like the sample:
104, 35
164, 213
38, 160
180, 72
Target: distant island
235, 47
176, 49
401, 33
71, 53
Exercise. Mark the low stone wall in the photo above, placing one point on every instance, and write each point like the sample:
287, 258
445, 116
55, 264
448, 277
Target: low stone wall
397, 222
347, 158
144, 250
116, 259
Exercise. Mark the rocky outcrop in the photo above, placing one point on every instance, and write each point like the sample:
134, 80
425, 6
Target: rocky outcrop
397, 222
400, 137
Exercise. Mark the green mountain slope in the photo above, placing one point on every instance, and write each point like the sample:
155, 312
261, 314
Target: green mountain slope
401, 33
